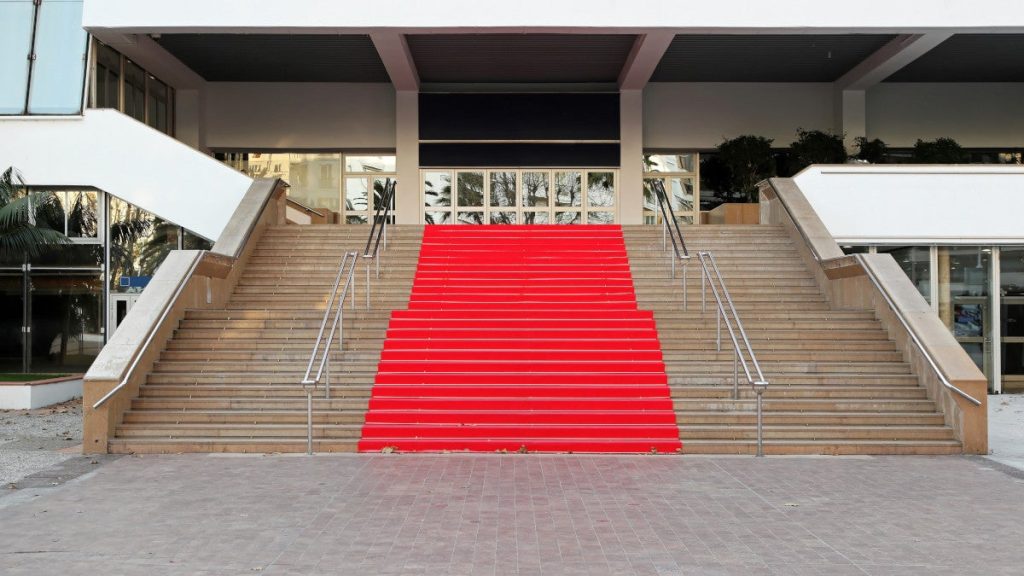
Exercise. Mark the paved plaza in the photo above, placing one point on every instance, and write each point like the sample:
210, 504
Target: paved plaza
516, 514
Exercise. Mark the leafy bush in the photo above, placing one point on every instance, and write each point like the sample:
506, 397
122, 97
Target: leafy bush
816, 147
939, 151
871, 151
742, 163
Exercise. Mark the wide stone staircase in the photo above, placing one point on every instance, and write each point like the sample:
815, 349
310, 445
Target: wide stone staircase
838, 383
228, 381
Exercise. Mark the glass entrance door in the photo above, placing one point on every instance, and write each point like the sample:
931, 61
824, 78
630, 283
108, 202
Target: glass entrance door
519, 196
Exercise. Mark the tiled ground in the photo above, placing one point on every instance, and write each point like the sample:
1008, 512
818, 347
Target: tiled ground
520, 514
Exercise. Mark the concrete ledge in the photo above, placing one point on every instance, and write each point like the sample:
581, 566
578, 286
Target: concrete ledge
876, 282
39, 393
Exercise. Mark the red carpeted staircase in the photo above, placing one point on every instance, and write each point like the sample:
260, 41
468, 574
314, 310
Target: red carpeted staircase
522, 338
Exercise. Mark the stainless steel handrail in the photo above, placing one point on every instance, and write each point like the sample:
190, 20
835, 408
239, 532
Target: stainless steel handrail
709, 276
153, 328
679, 250
387, 200
309, 382
913, 334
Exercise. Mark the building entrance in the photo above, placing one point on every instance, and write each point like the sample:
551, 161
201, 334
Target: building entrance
519, 196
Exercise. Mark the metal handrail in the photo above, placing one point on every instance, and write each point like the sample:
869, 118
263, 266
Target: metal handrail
913, 334
346, 269
375, 237
726, 312
153, 328
673, 231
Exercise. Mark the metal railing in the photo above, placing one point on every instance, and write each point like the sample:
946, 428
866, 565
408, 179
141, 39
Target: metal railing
373, 248
742, 350
322, 346
670, 230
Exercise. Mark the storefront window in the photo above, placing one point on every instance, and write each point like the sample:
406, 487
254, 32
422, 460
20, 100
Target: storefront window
1011, 288
964, 299
916, 263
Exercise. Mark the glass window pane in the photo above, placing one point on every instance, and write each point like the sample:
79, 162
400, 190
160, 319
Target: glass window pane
503, 189
916, 263
568, 189
437, 189
11, 318
107, 78
15, 45
82, 214
382, 164
535, 189
58, 72
600, 217
378, 195
681, 194
1011, 271
67, 320
471, 188
536, 218
192, 241
471, 218
356, 191
669, 162
503, 217
314, 179
134, 91
567, 218
158, 101
1013, 358
600, 189
437, 217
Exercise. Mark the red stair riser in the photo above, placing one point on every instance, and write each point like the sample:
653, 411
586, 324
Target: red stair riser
522, 336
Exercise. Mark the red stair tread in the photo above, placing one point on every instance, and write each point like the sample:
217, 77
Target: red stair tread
522, 337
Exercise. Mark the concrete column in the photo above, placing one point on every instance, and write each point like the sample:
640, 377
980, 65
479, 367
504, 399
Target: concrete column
189, 118
851, 116
631, 146
407, 148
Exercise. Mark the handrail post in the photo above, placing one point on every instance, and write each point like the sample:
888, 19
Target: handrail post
736, 374
718, 331
759, 388
686, 263
703, 286
327, 379
309, 420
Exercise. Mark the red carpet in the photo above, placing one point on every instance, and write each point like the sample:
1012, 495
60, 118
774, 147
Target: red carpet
522, 337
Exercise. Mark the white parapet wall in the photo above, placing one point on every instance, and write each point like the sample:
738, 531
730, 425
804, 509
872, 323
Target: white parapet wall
28, 396
110, 151
927, 204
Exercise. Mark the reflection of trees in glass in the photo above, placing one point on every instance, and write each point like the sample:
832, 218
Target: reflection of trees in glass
568, 189
503, 189
437, 217
437, 189
535, 218
600, 189
27, 220
471, 218
567, 218
130, 226
535, 189
503, 217
66, 314
471, 188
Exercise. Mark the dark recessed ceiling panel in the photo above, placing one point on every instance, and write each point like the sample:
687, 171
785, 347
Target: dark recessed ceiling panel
765, 57
519, 58
969, 58
278, 57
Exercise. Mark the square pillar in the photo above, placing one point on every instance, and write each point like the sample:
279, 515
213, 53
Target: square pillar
407, 150
851, 116
631, 150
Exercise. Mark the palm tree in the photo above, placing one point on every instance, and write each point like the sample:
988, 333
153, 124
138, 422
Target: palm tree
24, 216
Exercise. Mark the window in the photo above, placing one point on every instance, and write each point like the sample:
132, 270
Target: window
678, 174
42, 57
123, 85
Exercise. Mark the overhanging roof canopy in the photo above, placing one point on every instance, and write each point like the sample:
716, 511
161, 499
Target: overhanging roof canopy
969, 58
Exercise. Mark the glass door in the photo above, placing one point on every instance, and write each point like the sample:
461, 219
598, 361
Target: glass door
965, 275
12, 320
1011, 322
679, 175
519, 196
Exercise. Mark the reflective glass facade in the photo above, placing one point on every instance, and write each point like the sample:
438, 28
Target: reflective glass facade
43, 52
123, 85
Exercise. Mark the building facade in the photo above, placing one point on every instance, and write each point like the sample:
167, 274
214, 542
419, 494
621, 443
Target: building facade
149, 118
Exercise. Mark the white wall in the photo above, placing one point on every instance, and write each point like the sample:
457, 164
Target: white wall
110, 151
975, 115
190, 15
701, 115
918, 204
254, 115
